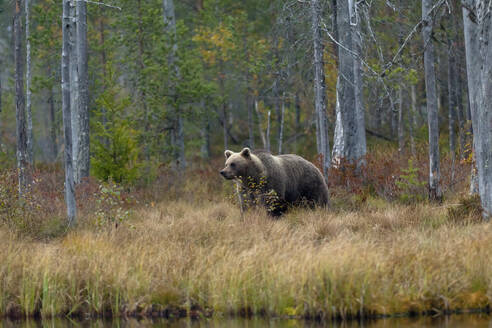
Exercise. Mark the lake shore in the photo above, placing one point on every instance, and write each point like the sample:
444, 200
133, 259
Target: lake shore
199, 259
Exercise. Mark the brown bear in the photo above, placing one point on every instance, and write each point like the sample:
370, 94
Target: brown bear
275, 182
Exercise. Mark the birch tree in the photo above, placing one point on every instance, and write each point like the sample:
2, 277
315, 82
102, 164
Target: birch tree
478, 43
170, 28
435, 193
20, 114
66, 109
350, 139
74, 88
320, 88
30, 155
83, 140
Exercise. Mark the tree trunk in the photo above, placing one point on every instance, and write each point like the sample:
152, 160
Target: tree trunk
413, 121
350, 140
482, 132
205, 132
473, 71
268, 132
22, 157
260, 127
74, 90
30, 154
67, 121
401, 141
83, 155
320, 88
282, 119
451, 106
170, 28
435, 193
52, 126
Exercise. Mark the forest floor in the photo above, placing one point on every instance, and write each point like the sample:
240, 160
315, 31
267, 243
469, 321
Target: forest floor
198, 257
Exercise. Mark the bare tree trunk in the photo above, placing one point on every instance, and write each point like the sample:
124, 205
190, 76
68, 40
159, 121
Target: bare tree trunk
30, 154
349, 140
473, 70
260, 128
170, 28
52, 125
401, 141
268, 132
320, 88
83, 155
413, 120
67, 121
435, 193
74, 90
482, 109
451, 106
22, 157
282, 118
205, 132
249, 105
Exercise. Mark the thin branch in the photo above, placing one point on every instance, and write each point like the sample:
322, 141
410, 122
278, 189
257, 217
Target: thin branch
100, 4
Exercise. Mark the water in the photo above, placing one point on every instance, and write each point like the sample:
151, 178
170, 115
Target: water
454, 321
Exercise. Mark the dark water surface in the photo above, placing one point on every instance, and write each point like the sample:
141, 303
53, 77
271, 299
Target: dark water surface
454, 321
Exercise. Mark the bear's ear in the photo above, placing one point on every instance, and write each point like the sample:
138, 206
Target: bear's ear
246, 152
227, 153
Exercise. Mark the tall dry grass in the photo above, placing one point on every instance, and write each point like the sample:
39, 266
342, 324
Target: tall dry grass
178, 257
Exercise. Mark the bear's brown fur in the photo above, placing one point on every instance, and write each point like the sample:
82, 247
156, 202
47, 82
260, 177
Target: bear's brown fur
276, 182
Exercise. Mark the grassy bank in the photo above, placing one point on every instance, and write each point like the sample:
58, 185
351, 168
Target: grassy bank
199, 258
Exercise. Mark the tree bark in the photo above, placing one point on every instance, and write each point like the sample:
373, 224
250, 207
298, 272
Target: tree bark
413, 120
452, 106
260, 127
350, 139
268, 132
52, 126
482, 111
74, 90
23, 168
170, 28
30, 154
401, 140
320, 88
473, 71
282, 119
66, 109
83, 155
435, 193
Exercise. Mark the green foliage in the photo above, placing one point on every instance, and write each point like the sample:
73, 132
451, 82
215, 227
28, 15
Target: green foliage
111, 206
411, 187
115, 150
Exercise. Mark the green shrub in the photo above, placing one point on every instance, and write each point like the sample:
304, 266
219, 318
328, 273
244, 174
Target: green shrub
412, 189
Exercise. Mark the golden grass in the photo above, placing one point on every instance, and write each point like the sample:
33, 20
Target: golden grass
180, 257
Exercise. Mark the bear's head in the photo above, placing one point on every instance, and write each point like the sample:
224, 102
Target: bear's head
236, 165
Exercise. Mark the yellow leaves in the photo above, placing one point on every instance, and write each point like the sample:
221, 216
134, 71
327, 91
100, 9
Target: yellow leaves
216, 44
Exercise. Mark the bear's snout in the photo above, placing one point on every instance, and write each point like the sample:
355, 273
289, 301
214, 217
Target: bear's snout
222, 173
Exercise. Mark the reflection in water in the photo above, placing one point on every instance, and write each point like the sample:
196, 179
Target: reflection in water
455, 321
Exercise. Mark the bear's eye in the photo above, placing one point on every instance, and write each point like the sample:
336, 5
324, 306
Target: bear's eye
233, 164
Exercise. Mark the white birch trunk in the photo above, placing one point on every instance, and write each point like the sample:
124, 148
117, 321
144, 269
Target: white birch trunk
260, 125
320, 88
483, 133
74, 89
268, 132
30, 154
435, 193
83, 147
349, 139
67, 121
